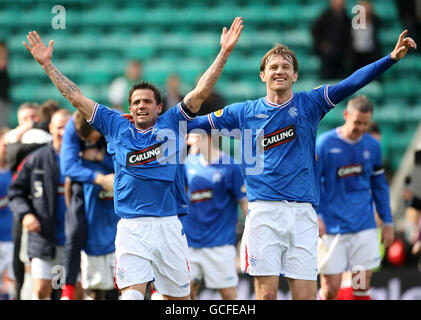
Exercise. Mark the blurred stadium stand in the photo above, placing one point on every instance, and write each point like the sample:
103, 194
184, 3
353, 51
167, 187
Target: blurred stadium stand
183, 36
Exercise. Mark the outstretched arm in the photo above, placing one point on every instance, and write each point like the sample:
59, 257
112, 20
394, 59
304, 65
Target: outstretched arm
67, 88
207, 81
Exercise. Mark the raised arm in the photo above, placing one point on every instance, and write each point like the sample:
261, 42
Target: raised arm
207, 81
67, 88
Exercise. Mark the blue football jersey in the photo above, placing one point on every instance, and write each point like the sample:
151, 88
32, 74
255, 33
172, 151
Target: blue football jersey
277, 143
60, 208
352, 181
146, 162
100, 216
213, 191
6, 216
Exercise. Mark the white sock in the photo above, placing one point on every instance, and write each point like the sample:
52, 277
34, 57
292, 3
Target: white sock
132, 295
35, 297
320, 295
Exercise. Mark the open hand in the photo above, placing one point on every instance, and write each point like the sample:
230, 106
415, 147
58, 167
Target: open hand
128, 116
229, 38
31, 223
402, 46
387, 236
105, 181
39, 51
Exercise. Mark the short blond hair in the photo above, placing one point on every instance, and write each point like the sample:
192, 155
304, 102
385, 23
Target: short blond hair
361, 104
283, 51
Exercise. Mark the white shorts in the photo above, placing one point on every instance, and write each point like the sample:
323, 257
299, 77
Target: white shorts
6, 259
217, 265
153, 249
97, 272
341, 252
280, 239
46, 269
23, 252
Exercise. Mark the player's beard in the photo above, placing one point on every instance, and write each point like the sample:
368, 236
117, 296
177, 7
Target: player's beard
145, 123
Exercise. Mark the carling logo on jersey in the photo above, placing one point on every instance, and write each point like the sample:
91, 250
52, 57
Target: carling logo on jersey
140, 157
279, 137
350, 170
60, 190
105, 195
201, 195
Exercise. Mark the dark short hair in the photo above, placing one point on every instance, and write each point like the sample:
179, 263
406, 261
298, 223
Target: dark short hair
283, 51
47, 109
149, 86
82, 127
361, 104
373, 127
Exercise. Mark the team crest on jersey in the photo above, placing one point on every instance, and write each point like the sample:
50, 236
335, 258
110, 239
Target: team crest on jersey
293, 112
253, 261
141, 157
121, 273
279, 137
201, 195
366, 154
216, 177
218, 113
350, 170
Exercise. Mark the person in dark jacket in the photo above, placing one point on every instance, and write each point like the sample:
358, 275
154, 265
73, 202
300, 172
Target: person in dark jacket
31, 133
332, 36
37, 199
366, 46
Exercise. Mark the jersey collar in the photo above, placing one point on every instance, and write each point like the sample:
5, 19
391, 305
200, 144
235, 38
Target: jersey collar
143, 131
279, 106
343, 138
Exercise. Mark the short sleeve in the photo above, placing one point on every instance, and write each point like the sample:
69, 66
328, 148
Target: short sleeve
226, 118
320, 98
107, 121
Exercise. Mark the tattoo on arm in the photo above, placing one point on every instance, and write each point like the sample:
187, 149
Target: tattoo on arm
211, 76
66, 87
70, 91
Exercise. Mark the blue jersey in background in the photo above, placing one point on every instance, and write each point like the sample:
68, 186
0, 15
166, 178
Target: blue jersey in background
6, 216
214, 191
352, 182
101, 218
60, 209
